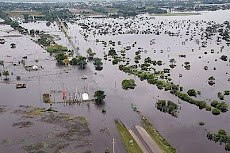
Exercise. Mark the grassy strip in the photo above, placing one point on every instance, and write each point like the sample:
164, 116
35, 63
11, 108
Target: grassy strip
126, 137
176, 14
21, 13
158, 139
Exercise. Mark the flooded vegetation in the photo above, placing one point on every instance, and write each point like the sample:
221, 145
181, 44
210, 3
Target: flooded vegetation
67, 131
82, 78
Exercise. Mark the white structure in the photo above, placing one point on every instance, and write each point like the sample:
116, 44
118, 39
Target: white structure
35, 67
85, 96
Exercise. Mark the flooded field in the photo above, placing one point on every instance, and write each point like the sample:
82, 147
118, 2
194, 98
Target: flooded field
161, 38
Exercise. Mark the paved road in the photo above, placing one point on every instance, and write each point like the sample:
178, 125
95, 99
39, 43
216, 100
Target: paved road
144, 140
139, 142
148, 140
70, 41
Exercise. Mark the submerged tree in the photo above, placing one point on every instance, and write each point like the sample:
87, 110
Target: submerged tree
192, 92
224, 57
112, 52
13, 45
98, 64
172, 61
6, 74
80, 61
227, 147
99, 96
215, 111
128, 84
90, 53
60, 57
2, 63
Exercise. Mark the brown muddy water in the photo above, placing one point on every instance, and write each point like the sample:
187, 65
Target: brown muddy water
183, 133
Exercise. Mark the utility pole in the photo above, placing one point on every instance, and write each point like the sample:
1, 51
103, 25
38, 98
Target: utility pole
113, 145
180, 75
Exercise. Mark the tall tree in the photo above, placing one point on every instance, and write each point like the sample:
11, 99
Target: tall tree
6, 74
99, 96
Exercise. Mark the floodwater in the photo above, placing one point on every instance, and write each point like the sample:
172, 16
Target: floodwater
183, 133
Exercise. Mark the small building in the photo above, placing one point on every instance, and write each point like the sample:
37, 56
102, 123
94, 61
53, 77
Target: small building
2, 21
85, 96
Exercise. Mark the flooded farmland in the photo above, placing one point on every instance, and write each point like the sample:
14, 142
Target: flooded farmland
160, 38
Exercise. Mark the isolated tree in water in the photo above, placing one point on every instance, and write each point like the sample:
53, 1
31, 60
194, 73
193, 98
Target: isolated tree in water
172, 61
98, 64
99, 96
90, 53
6, 74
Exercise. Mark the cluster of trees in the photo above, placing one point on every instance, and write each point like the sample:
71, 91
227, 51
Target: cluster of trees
187, 65
90, 53
215, 111
100, 10
137, 57
32, 32
80, 61
116, 60
145, 67
6, 74
133, 8
211, 80
211, 7
172, 61
167, 106
99, 96
60, 57
14, 24
151, 78
187, 98
112, 52
224, 57
153, 62
175, 89
98, 63
227, 92
220, 137
128, 84
45, 39
192, 92
156, 10
223, 31
163, 82
220, 96
56, 48
52, 15
148, 60
222, 106
128, 69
